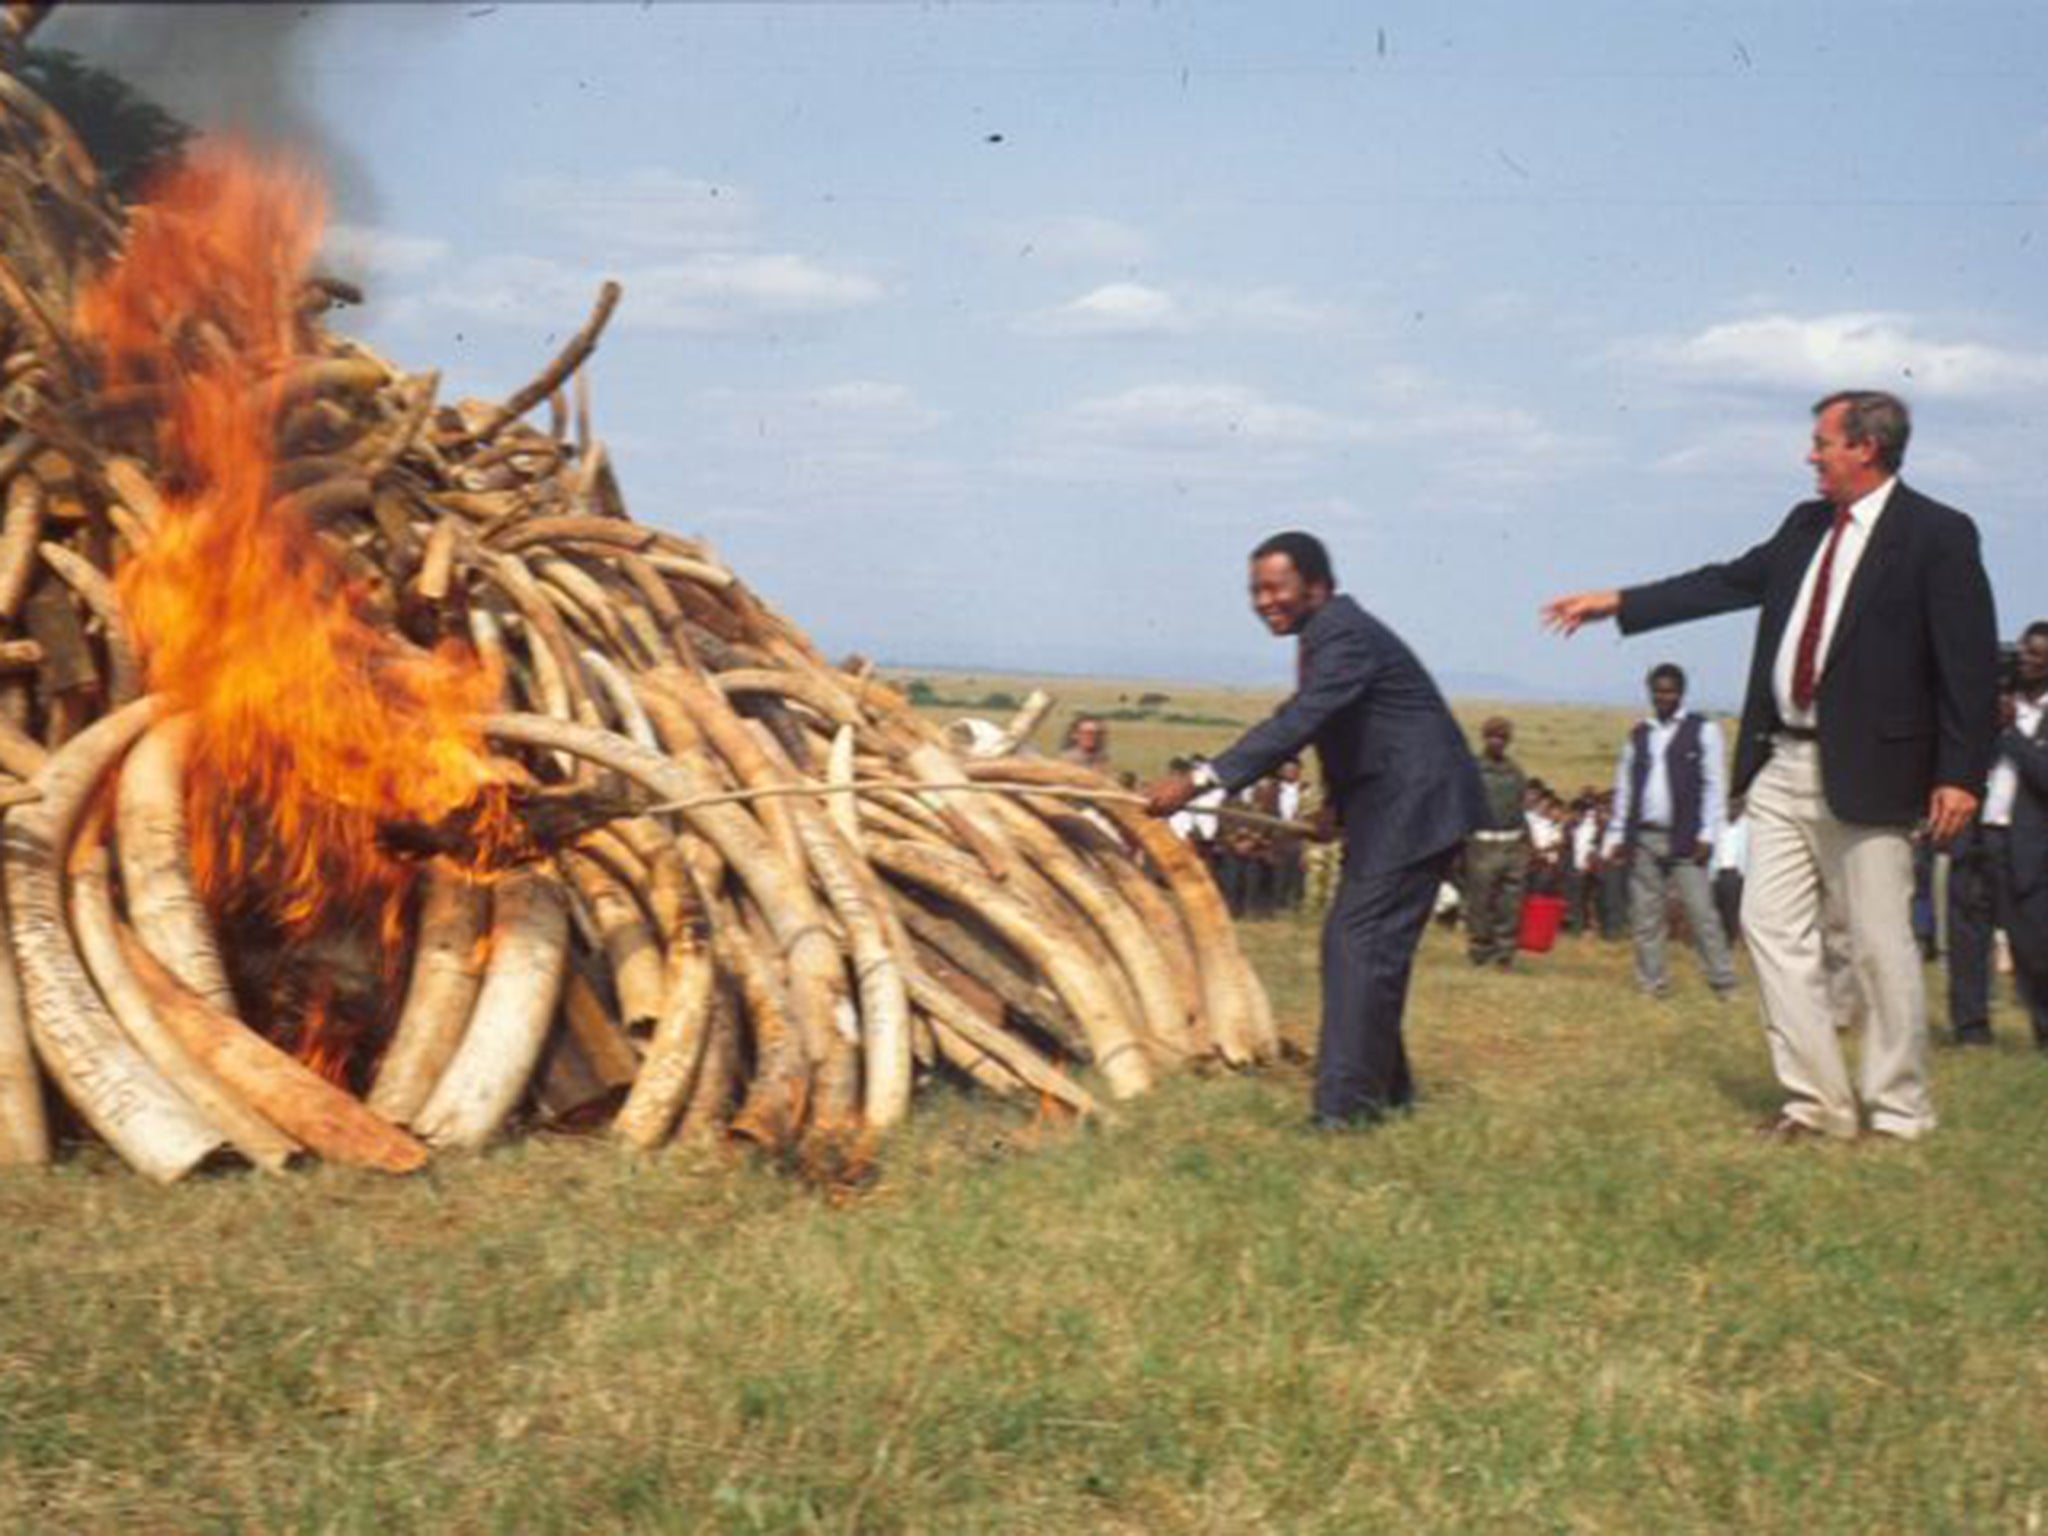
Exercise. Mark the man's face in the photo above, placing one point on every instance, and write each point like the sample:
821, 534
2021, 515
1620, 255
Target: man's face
1088, 735
1281, 597
1843, 471
1666, 696
2033, 663
1497, 744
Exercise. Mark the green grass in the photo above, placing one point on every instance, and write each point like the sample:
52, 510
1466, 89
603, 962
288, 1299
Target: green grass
1572, 1293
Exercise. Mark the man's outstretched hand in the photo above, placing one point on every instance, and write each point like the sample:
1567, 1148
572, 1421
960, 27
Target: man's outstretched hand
1169, 794
1564, 615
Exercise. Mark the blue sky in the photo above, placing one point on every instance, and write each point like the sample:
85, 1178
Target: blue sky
995, 334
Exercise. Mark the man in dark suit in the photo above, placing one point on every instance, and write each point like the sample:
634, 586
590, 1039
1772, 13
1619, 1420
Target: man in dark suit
1998, 873
1405, 788
1870, 702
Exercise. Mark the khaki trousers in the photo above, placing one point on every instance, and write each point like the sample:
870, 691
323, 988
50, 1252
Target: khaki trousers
1803, 861
1654, 876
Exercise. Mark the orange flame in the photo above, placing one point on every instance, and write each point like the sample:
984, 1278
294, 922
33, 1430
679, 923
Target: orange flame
311, 726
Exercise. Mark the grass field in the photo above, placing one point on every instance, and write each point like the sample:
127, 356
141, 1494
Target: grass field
1571, 1293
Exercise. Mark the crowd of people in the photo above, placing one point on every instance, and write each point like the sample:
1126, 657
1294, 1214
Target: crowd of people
1262, 862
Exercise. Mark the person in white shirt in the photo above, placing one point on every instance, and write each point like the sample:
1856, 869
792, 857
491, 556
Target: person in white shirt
1196, 821
1997, 877
1546, 840
1667, 818
1287, 847
1582, 866
1731, 864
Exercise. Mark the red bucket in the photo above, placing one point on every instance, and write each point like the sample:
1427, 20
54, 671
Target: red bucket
1542, 916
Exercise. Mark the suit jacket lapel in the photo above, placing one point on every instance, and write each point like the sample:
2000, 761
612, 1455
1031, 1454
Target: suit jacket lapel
1885, 544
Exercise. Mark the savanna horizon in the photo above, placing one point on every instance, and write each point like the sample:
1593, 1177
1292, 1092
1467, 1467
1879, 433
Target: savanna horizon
1569, 745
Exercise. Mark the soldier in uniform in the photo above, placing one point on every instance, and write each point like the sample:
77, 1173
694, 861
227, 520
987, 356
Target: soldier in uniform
1497, 853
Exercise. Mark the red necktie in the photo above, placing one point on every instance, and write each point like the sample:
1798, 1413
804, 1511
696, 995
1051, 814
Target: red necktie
1806, 660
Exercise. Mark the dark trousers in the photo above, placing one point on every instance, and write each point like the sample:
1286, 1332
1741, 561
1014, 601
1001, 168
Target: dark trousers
1579, 915
1287, 879
1613, 900
1981, 899
1229, 871
1728, 901
1369, 944
1261, 885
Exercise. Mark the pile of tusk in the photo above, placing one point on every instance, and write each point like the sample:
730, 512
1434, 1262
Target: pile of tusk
749, 958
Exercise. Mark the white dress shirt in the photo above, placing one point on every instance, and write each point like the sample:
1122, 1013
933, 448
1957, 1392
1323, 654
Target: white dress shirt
1862, 524
2005, 778
1197, 819
1585, 841
1732, 850
1657, 783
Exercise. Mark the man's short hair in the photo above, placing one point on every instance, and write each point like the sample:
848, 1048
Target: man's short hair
1310, 558
1664, 669
2038, 627
1872, 416
1497, 725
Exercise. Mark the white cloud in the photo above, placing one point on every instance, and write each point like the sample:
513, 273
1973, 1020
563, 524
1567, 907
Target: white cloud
715, 291
364, 249
1077, 240
1136, 309
856, 442
1749, 451
1482, 441
1276, 310
1114, 309
1189, 437
648, 207
1219, 433
687, 294
1874, 349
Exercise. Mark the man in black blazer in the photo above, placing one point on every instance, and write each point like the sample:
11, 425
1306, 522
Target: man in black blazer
1870, 703
1405, 788
1998, 876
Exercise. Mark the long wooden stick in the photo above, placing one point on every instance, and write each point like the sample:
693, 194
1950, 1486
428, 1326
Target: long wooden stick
985, 786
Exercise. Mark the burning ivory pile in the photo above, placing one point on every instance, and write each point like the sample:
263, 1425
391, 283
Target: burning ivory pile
374, 781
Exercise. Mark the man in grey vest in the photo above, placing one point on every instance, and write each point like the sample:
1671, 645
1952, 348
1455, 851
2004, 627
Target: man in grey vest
1668, 800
